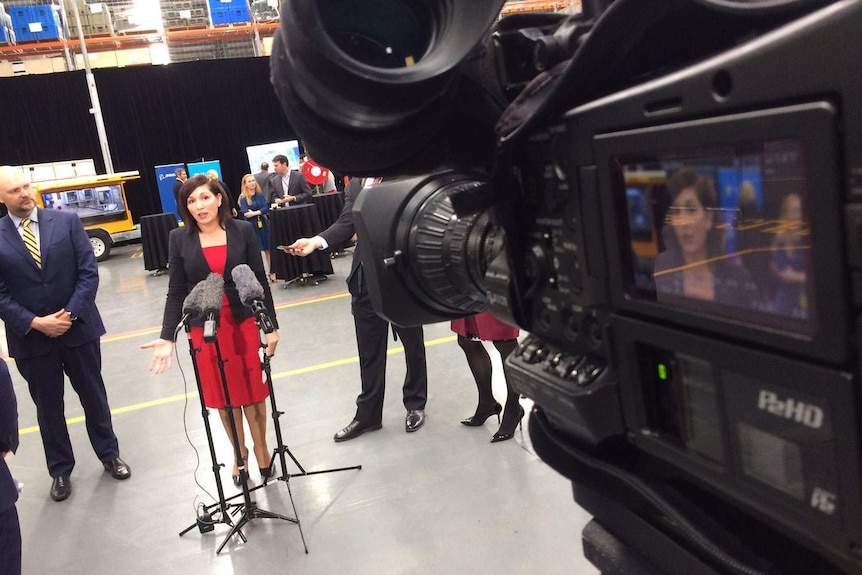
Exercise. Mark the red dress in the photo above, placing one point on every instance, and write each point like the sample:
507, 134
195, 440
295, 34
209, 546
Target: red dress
484, 326
239, 345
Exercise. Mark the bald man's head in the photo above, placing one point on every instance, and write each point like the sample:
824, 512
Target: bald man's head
16, 193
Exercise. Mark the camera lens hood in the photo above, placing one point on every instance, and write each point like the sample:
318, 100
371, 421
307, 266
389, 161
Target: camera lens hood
367, 83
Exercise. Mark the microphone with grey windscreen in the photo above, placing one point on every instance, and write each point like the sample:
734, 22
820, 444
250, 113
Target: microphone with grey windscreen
251, 295
210, 304
192, 303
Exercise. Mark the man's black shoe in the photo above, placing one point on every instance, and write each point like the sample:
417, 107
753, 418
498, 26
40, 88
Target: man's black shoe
415, 419
61, 488
355, 429
117, 468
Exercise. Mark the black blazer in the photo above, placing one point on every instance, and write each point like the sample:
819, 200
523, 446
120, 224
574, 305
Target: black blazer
344, 227
188, 267
297, 186
8, 437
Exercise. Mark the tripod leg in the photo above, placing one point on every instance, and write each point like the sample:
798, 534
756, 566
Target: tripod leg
298, 524
235, 529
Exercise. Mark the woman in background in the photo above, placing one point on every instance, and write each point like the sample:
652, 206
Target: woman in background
214, 176
472, 331
254, 208
789, 259
213, 242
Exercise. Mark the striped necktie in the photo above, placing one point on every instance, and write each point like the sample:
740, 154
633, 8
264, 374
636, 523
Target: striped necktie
30, 242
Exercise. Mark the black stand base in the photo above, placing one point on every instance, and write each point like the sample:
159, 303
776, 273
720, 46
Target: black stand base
304, 280
216, 517
250, 512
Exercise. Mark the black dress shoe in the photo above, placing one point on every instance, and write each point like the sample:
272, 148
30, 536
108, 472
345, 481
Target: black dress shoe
415, 419
354, 429
117, 468
61, 488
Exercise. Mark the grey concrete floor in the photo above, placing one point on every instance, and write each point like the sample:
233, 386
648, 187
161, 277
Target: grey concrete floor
441, 500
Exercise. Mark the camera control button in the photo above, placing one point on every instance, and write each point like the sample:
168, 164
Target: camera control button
589, 370
534, 352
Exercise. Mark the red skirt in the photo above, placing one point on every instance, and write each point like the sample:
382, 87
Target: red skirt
484, 326
239, 345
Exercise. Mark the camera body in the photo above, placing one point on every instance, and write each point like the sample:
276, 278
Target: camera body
682, 241
736, 388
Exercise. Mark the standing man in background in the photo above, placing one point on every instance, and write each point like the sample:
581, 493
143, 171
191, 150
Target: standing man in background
288, 187
182, 176
48, 283
262, 179
372, 332
10, 529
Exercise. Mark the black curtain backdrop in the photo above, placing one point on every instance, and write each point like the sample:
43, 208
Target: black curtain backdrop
153, 115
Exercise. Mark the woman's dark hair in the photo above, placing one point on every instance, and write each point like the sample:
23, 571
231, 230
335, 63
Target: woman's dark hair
704, 189
189, 187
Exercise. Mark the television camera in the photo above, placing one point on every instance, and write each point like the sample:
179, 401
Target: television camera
667, 196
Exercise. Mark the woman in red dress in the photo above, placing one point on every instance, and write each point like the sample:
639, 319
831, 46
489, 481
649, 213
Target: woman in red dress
472, 331
213, 242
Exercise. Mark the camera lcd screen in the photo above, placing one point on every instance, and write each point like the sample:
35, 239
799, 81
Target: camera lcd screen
723, 231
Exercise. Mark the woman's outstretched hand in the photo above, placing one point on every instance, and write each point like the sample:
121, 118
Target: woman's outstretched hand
162, 351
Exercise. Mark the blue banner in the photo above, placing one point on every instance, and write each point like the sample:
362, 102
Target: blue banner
196, 168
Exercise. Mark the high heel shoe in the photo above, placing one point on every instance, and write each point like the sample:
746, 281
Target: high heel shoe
478, 419
497, 437
267, 472
235, 477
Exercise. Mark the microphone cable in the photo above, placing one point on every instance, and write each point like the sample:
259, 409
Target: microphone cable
196, 503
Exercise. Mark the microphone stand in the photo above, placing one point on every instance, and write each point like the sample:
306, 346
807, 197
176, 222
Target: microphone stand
281, 448
250, 510
223, 515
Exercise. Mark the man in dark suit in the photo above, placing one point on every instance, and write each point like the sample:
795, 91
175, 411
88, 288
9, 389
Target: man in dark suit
262, 179
371, 333
48, 283
10, 530
182, 176
287, 187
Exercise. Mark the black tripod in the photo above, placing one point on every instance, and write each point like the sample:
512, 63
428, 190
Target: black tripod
248, 509
223, 507
281, 448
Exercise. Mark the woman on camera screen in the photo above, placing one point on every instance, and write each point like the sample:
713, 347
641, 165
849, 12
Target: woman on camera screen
695, 264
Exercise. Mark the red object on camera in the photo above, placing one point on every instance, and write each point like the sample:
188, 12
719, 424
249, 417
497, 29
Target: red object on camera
314, 173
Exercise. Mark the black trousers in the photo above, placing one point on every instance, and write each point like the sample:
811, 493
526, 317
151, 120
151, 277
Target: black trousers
44, 375
372, 332
10, 542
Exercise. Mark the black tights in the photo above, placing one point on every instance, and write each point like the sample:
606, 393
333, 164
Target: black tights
480, 364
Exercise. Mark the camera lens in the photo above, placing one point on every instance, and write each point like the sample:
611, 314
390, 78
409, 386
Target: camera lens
357, 28
448, 253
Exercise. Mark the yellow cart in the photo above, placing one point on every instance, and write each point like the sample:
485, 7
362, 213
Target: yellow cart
100, 202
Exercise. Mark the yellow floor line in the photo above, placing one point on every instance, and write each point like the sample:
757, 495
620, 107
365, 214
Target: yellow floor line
292, 372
